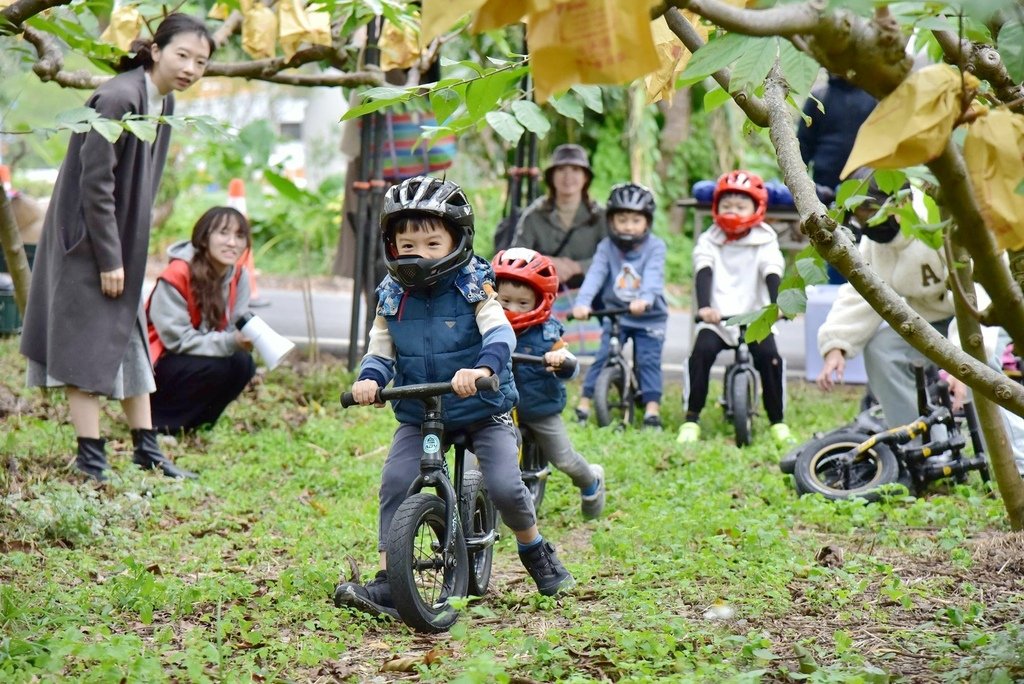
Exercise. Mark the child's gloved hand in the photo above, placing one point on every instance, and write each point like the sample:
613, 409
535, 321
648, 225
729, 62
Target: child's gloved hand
710, 314
464, 381
638, 306
553, 359
581, 312
365, 392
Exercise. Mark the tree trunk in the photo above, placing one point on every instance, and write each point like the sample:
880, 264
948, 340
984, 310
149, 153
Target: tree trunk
14, 253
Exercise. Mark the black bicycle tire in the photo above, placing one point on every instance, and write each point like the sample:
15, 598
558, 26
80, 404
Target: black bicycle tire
808, 472
613, 376
741, 404
435, 616
534, 468
479, 519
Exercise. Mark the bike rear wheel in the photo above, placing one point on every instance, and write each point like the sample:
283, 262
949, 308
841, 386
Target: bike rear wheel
819, 468
614, 400
741, 402
422, 575
479, 523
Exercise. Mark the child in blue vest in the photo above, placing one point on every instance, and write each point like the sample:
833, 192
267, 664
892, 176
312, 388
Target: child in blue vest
629, 271
437, 321
527, 286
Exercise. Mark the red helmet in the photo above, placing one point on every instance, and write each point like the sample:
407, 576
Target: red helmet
749, 184
531, 268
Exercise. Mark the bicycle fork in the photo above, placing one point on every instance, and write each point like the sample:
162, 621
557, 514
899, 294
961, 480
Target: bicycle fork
434, 473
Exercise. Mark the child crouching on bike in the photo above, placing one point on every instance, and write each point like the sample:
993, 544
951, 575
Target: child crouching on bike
437, 321
738, 267
628, 270
527, 286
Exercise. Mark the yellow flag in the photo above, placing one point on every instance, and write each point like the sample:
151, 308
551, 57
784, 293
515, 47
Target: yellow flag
297, 26
259, 31
124, 27
441, 15
399, 48
589, 41
912, 124
994, 153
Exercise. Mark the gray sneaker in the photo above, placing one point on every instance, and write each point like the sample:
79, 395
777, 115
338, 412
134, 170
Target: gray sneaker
593, 504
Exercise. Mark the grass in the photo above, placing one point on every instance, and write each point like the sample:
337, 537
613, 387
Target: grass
705, 567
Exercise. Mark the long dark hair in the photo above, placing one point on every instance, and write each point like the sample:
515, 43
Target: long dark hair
171, 26
206, 282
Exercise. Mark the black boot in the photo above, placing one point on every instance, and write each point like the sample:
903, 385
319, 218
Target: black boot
148, 455
92, 458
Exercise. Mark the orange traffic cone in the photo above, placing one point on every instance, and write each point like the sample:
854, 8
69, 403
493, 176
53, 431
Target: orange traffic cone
5, 178
236, 200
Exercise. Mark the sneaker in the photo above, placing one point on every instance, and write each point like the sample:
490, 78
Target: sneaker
593, 504
781, 434
547, 571
652, 422
582, 416
374, 597
689, 432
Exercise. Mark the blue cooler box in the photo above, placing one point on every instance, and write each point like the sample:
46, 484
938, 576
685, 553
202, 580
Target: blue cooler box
819, 301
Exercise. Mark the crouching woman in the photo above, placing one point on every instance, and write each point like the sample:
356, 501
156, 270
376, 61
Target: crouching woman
201, 361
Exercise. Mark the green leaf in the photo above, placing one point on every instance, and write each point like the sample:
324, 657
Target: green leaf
715, 98
716, 54
811, 271
1011, 49
286, 188
764, 654
111, 130
762, 327
483, 94
749, 71
377, 98
792, 302
444, 102
889, 180
568, 105
78, 115
142, 129
505, 125
801, 70
531, 117
591, 96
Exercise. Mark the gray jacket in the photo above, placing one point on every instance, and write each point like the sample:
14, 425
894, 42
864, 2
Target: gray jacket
540, 229
98, 219
168, 312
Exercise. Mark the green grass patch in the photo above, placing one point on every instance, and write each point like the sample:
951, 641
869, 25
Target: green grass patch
705, 567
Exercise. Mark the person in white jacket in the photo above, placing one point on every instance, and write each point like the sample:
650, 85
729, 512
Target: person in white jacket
918, 274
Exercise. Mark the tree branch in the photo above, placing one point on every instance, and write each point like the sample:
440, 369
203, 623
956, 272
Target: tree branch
16, 13
986, 63
751, 105
838, 250
786, 20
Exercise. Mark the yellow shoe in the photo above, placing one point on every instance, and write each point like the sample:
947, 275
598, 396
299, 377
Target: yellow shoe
688, 433
781, 434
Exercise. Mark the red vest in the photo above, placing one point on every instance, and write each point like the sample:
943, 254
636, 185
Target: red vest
178, 275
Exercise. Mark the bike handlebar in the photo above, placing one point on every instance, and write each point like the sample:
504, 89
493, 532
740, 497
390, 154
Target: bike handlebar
568, 365
600, 313
421, 391
698, 319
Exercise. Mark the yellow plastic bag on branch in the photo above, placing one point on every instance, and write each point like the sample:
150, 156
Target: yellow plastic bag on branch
912, 124
994, 153
441, 15
259, 31
297, 26
399, 48
124, 27
672, 57
220, 12
589, 41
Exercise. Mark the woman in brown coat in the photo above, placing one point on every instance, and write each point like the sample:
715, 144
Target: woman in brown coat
84, 327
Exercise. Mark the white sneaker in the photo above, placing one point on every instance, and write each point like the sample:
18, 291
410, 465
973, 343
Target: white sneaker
593, 504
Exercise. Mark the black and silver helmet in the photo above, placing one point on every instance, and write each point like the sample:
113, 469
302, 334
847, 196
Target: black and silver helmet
420, 197
629, 197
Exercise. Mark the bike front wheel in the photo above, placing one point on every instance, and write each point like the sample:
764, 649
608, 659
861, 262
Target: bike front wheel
742, 393
614, 400
479, 524
422, 575
820, 468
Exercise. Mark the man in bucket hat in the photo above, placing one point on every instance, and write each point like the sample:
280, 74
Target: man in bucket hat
565, 224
